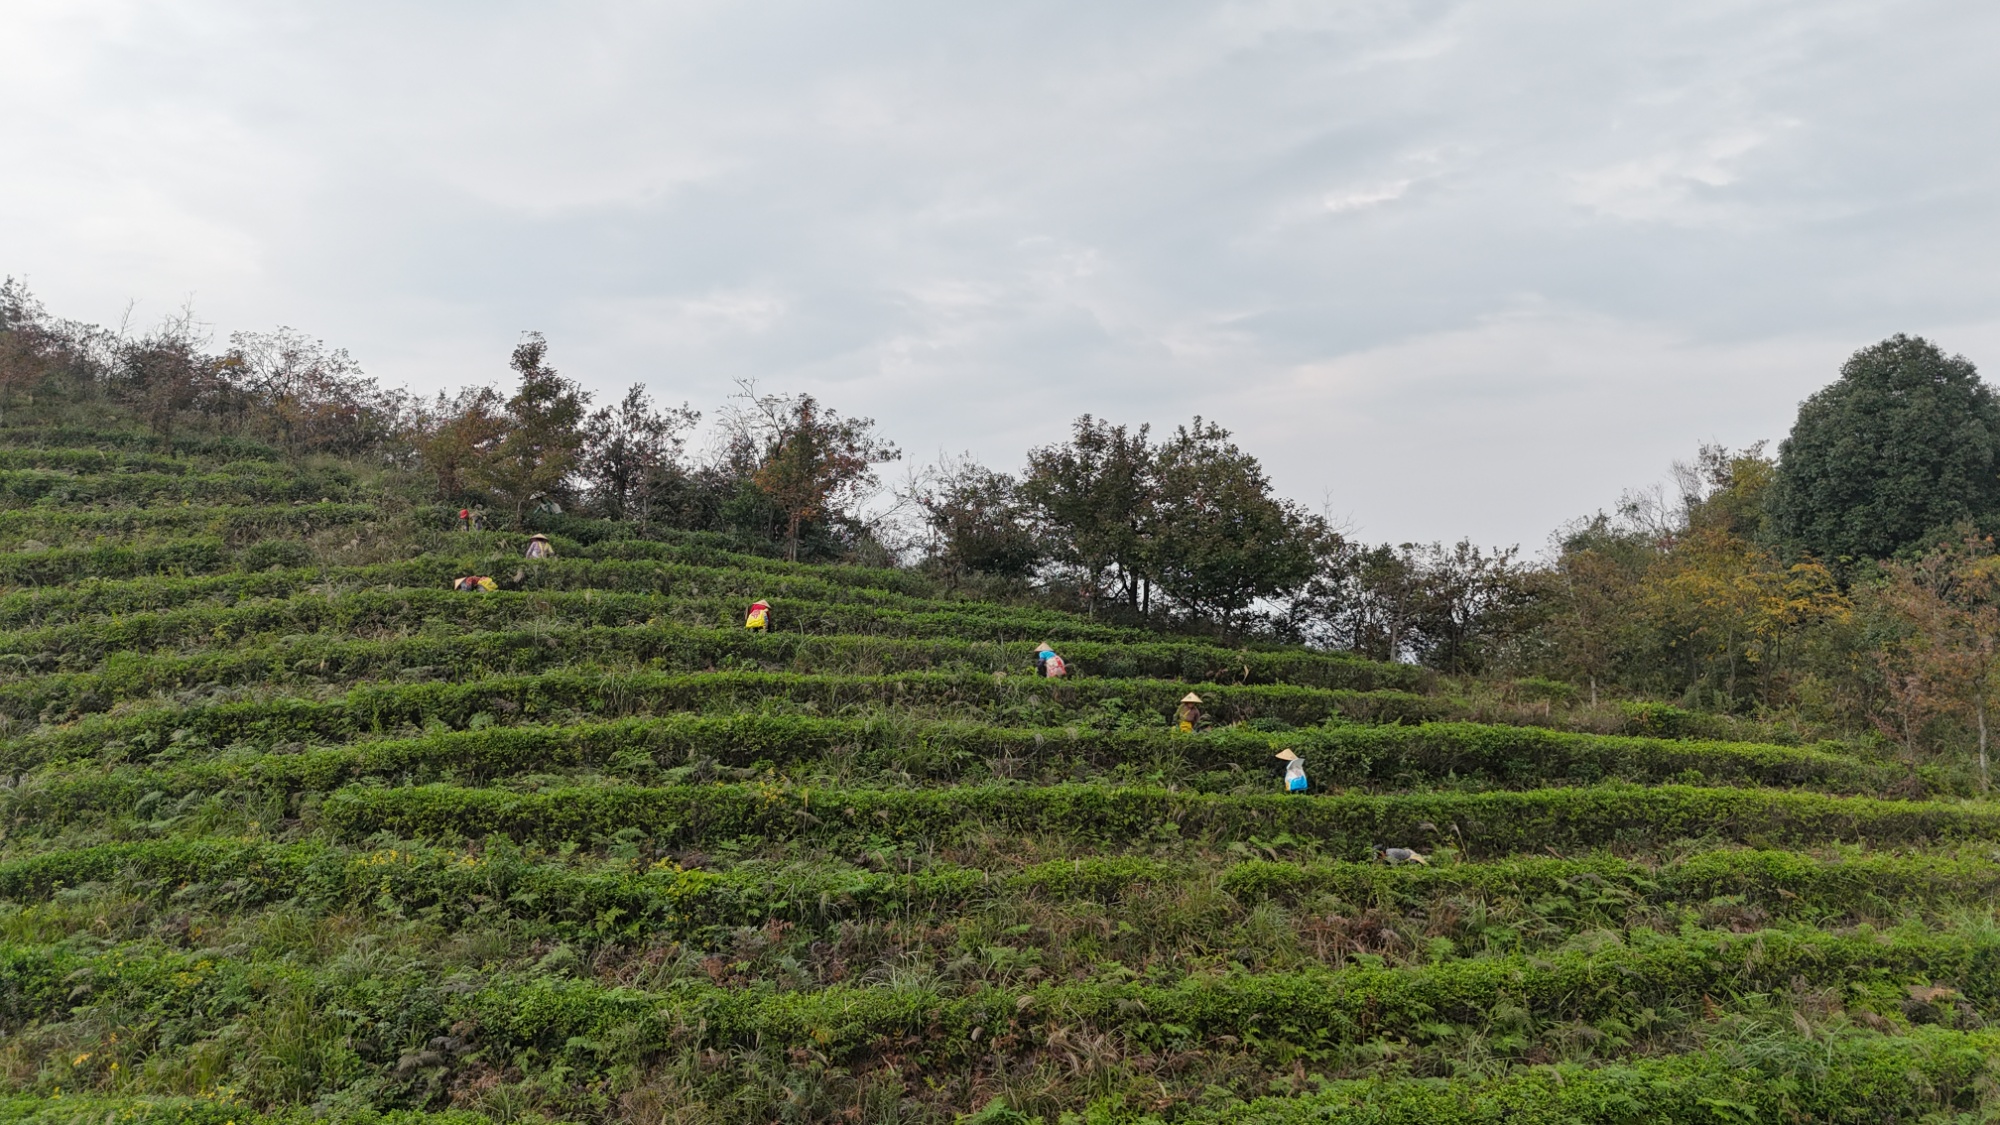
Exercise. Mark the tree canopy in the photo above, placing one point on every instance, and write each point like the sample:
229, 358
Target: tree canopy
809, 460
1095, 494
1903, 446
535, 455
1221, 538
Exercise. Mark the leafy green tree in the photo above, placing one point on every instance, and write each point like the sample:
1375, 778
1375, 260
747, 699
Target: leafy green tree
1590, 631
1452, 608
1094, 494
1359, 599
24, 341
456, 432
1471, 605
977, 521
532, 461
631, 457
1682, 598
1907, 442
1220, 539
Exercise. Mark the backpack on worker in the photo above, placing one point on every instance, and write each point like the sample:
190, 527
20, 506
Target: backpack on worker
1054, 666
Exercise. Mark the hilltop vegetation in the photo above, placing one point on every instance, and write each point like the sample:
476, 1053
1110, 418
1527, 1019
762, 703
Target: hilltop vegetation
293, 830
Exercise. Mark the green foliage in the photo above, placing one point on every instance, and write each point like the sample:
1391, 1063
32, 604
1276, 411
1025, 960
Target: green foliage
1095, 493
1774, 1077
1490, 824
1220, 539
224, 1110
810, 461
978, 521
537, 449
1903, 446
571, 693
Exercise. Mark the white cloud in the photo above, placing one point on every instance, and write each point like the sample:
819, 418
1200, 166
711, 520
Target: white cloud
1667, 186
1338, 202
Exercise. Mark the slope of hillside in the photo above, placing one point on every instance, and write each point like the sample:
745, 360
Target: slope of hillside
291, 828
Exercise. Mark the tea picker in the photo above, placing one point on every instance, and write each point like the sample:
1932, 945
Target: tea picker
475, 583
1295, 771
1189, 712
759, 617
539, 547
1048, 664
1397, 857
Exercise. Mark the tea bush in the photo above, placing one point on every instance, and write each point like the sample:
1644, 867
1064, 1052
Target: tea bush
291, 832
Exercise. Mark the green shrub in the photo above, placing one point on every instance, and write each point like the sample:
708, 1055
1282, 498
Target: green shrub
1491, 824
214, 447
640, 749
275, 553
575, 693
1846, 1076
418, 877
48, 568
154, 528
311, 630
1652, 978
252, 484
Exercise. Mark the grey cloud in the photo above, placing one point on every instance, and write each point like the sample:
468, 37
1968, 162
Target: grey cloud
1459, 268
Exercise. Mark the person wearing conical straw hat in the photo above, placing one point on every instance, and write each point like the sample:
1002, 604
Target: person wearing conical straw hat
1048, 664
539, 547
1295, 771
1190, 712
759, 617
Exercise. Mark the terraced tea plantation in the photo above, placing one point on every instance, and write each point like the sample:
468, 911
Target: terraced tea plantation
292, 828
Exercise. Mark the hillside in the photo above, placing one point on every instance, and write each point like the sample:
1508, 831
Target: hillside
293, 828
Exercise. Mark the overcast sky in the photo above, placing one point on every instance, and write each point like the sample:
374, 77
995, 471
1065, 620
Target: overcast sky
1448, 268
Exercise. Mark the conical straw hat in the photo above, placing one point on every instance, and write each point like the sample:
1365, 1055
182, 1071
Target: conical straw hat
1286, 755
1190, 697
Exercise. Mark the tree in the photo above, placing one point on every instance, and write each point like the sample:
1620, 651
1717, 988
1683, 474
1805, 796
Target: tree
167, 373
1359, 599
1681, 597
310, 397
24, 341
533, 459
1729, 606
1589, 588
1906, 443
1095, 496
458, 433
811, 462
1220, 539
1449, 608
632, 455
1727, 490
1468, 605
977, 520
1948, 660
